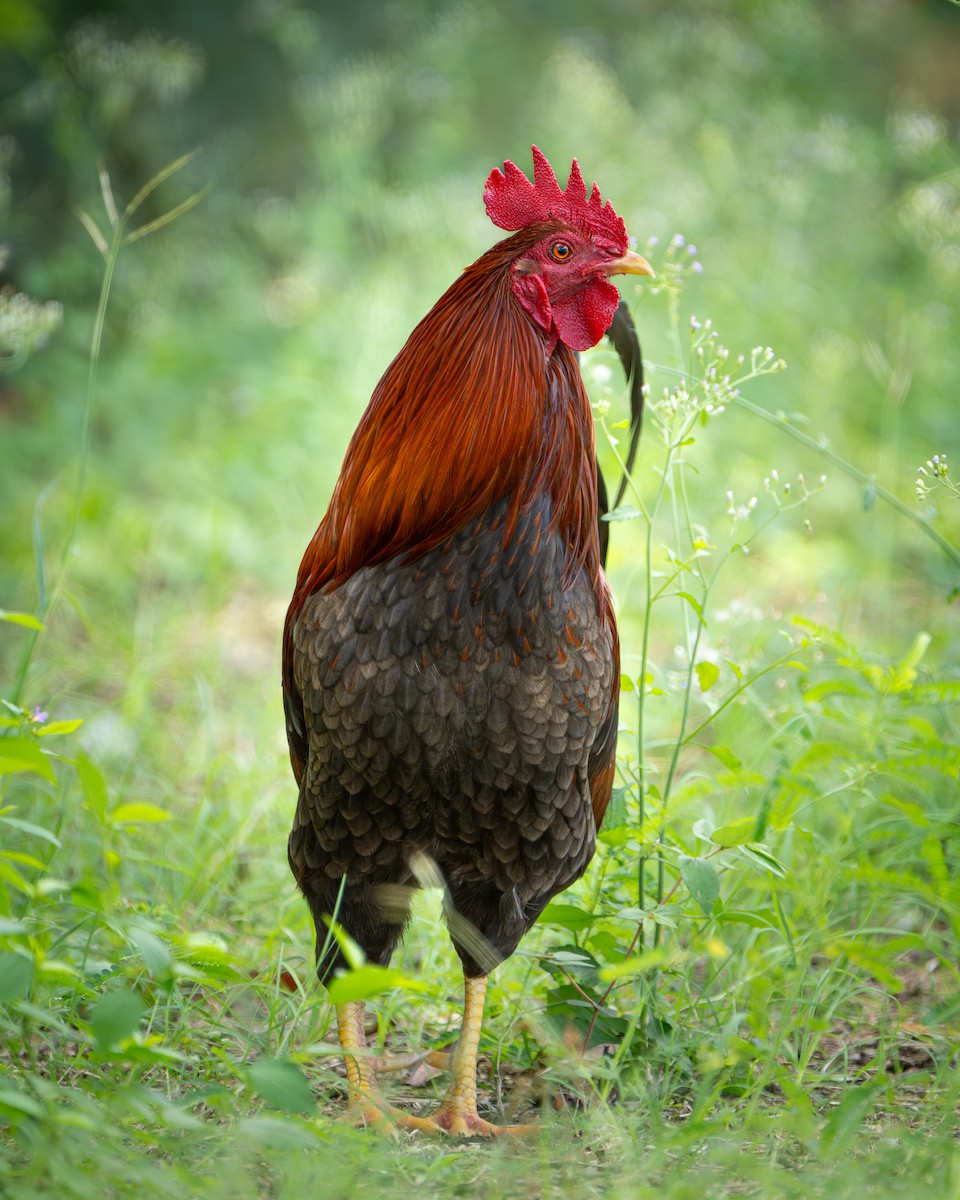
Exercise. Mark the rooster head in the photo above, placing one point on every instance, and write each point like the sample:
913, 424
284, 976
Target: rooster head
562, 278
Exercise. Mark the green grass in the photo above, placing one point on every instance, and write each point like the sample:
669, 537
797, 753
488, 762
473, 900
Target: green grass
754, 991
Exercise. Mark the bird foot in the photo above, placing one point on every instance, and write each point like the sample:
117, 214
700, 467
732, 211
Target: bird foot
455, 1122
369, 1109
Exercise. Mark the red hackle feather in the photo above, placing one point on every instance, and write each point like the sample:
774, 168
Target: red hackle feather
513, 202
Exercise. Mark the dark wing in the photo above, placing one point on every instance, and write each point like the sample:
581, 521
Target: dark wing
602, 764
293, 705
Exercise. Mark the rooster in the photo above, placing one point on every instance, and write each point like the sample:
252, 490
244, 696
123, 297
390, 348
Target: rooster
450, 654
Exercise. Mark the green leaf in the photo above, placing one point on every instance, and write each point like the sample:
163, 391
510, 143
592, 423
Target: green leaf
724, 754
23, 754
282, 1085
275, 1133
763, 858
156, 954
572, 960
913, 812
626, 683
59, 727
566, 916
21, 1102
623, 512
830, 687
369, 980
762, 919
116, 1017
694, 604
29, 827
139, 813
616, 815
16, 976
93, 786
737, 833
707, 673
703, 882
21, 618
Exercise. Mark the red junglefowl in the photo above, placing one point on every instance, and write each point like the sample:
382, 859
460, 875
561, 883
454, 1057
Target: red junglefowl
450, 655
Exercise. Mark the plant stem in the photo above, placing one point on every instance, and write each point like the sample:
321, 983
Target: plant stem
831, 456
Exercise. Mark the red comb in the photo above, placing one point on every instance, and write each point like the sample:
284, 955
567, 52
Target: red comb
513, 202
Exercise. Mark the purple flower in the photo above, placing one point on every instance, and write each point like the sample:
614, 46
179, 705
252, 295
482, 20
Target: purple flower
697, 267
38, 716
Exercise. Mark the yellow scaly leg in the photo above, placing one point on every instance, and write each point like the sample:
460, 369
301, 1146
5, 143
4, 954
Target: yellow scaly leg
457, 1114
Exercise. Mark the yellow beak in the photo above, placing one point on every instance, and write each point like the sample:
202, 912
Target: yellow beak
628, 264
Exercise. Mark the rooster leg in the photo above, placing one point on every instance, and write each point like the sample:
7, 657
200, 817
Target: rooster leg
457, 1114
366, 1105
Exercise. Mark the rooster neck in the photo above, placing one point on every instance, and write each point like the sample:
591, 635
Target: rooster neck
479, 405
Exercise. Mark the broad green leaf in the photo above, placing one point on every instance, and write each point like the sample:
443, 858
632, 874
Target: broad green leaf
616, 815
913, 812
623, 512
59, 727
703, 828
737, 833
626, 683
139, 813
23, 754
275, 1133
724, 754
93, 786
282, 1085
29, 827
573, 960
116, 1017
830, 687
14, 878
703, 882
761, 919
21, 1102
707, 673
369, 980
694, 604
156, 954
16, 976
763, 858
567, 916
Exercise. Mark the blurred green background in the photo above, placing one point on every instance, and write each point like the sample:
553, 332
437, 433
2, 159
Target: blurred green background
809, 150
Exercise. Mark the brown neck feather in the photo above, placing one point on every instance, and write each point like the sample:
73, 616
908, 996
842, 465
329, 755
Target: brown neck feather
476, 406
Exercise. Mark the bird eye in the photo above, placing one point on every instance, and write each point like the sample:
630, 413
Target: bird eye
560, 251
